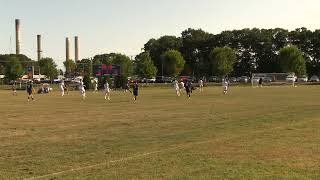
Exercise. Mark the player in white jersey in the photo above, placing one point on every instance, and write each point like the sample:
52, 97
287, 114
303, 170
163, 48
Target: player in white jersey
225, 85
14, 89
62, 87
201, 85
82, 89
182, 86
176, 87
95, 85
106, 91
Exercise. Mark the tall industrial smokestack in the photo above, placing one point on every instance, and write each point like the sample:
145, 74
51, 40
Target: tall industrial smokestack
39, 51
17, 36
76, 48
67, 49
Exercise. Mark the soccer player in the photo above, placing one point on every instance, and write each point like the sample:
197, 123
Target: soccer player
82, 89
14, 89
201, 85
95, 85
127, 87
135, 91
30, 90
225, 85
66, 88
106, 91
176, 87
260, 82
62, 88
187, 87
182, 85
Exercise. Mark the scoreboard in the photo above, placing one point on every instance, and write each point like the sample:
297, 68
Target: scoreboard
106, 70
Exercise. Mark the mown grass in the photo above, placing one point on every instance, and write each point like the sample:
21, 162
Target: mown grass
252, 133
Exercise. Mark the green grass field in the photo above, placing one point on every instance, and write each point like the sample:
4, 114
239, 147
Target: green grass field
252, 133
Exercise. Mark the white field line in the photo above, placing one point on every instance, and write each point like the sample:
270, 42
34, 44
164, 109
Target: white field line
94, 165
146, 154
116, 161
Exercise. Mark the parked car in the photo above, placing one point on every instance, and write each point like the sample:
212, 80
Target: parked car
243, 79
314, 79
267, 79
213, 79
151, 80
303, 79
160, 79
168, 79
141, 80
57, 81
291, 78
264, 79
77, 79
256, 79
233, 79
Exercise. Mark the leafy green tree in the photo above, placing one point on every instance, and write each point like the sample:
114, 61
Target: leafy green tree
313, 62
84, 67
126, 64
291, 60
48, 67
145, 67
256, 49
173, 62
2, 69
24, 60
70, 68
156, 47
223, 60
61, 72
87, 81
194, 48
13, 69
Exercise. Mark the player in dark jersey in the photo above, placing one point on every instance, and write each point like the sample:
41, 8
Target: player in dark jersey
126, 87
135, 91
260, 82
187, 87
30, 90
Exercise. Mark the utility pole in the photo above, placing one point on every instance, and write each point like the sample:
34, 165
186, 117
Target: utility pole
162, 66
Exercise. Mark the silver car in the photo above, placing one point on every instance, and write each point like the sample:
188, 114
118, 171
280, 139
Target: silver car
314, 79
303, 79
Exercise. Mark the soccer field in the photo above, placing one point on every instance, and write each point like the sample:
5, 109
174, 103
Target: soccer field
251, 133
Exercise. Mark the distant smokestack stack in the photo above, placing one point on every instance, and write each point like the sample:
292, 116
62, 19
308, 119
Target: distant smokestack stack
39, 51
76, 48
17, 36
67, 49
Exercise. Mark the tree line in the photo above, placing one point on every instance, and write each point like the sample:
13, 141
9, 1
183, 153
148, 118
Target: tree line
15, 66
197, 53
256, 50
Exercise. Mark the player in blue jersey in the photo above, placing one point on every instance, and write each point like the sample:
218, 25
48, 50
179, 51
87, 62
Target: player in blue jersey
30, 90
187, 87
135, 91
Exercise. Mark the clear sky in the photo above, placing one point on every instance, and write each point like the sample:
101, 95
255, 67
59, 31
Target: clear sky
124, 26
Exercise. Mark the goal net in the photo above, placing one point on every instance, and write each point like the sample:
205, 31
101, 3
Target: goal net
273, 79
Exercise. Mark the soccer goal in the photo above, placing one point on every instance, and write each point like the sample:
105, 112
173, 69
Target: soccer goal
273, 79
